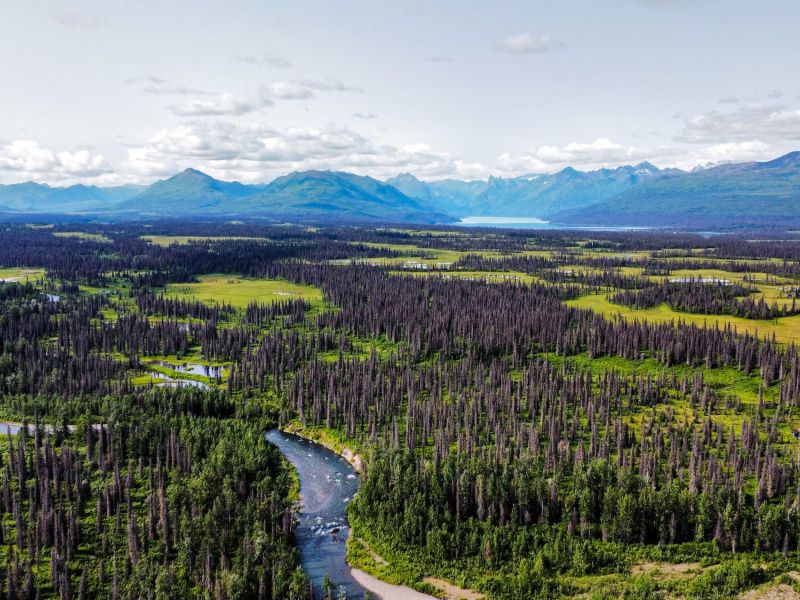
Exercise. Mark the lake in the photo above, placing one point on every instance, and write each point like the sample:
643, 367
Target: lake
534, 223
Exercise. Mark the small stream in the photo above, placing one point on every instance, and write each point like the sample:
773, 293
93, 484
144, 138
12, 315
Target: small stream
327, 484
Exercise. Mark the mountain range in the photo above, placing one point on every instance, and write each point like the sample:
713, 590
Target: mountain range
745, 194
30, 197
720, 196
540, 196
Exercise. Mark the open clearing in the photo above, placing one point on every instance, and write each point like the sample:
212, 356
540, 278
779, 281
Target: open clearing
82, 235
488, 276
239, 292
418, 255
166, 240
453, 592
20, 274
771, 591
785, 329
667, 569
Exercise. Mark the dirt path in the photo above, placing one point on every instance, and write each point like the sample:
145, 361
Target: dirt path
453, 592
771, 592
668, 569
387, 591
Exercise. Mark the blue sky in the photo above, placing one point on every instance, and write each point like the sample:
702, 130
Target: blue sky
104, 91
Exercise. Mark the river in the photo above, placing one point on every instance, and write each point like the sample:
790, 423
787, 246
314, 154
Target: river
327, 484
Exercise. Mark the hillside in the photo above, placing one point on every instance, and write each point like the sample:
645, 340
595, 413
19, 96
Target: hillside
37, 198
453, 196
758, 193
528, 196
339, 197
543, 195
187, 192
725, 196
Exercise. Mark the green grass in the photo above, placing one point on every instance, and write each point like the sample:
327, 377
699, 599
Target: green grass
166, 240
21, 274
362, 348
332, 439
175, 375
488, 276
728, 382
432, 257
785, 329
239, 292
768, 286
82, 235
145, 379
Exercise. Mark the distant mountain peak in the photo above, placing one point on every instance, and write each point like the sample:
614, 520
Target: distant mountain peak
705, 167
647, 167
712, 195
190, 172
792, 159
715, 192
319, 174
404, 176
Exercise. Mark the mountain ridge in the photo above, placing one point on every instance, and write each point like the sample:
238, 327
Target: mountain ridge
533, 195
640, 194
734, 194
325, 195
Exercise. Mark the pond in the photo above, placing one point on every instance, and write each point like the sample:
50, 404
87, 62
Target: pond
193, 369
170, 382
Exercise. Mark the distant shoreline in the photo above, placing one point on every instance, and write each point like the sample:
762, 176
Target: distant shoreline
536, 223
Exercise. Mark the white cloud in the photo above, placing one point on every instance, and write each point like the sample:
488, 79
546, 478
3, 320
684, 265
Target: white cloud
158, 86
735, 152
252, 152
82, 163
257, 153
22, 160
222, 104
209, 103
273, 60
527, 43
602, 152
764, 122
289, 91
331, 84
303, 89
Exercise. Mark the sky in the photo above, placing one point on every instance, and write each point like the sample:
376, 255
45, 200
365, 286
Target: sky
109, 92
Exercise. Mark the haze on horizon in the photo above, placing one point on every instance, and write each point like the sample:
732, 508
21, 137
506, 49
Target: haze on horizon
107, 92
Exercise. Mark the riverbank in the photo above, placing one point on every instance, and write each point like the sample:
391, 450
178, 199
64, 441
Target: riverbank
387, 591
325, 439
364, 572
323, 504
327, 484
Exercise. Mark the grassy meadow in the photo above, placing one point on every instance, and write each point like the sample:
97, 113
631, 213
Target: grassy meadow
239, 291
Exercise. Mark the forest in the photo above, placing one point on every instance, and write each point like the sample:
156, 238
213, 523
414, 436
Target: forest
540, 413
